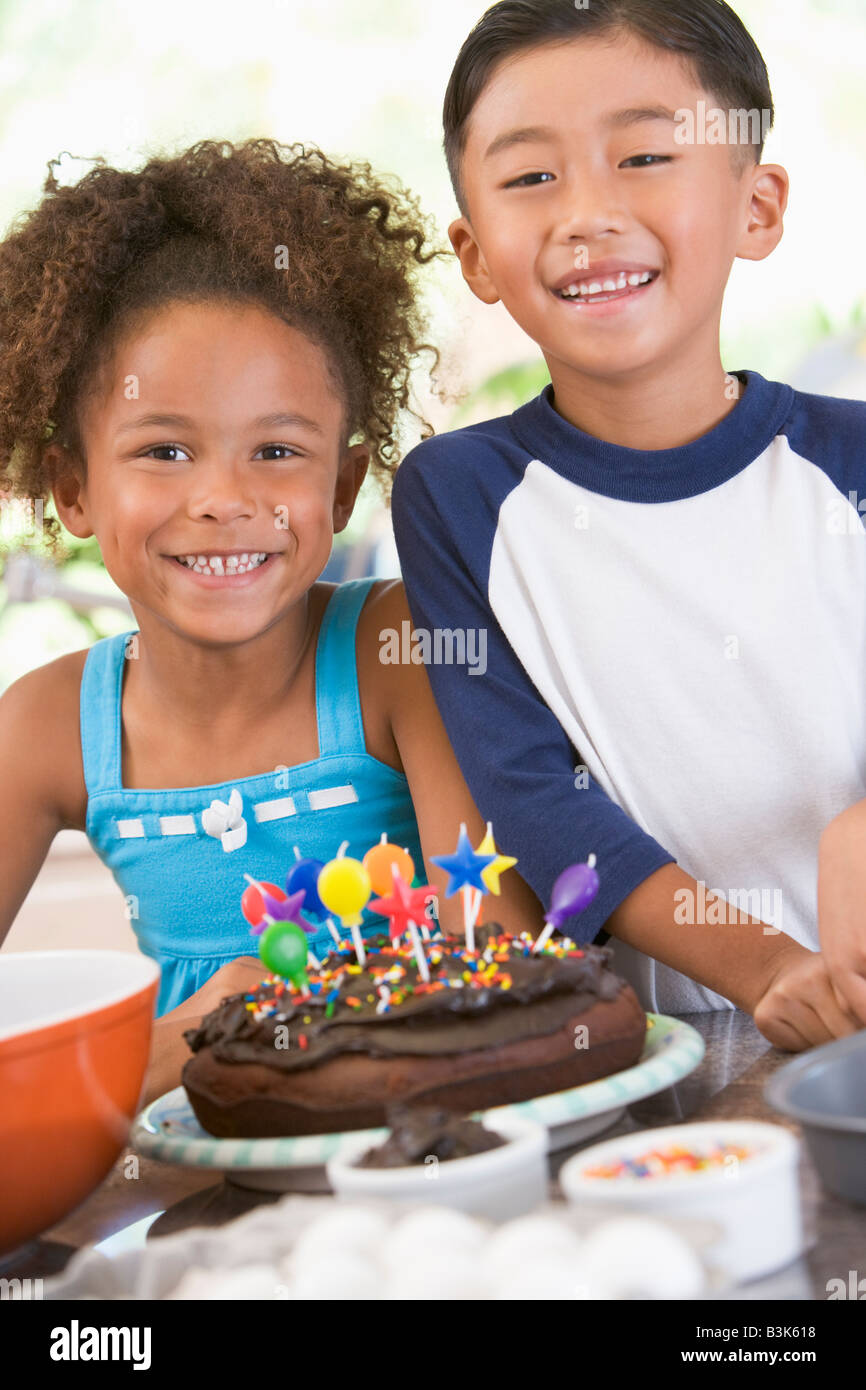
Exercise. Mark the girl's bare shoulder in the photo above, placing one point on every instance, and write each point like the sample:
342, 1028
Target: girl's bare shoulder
386, 603
381, 617
40, 735
379, 681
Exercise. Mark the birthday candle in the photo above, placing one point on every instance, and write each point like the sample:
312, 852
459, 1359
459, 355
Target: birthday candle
304, 874
491, 875
402, 909
464, 868
344, 886
573, 891
275, 909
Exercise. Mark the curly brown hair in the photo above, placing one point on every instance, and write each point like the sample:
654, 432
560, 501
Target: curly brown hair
93, 259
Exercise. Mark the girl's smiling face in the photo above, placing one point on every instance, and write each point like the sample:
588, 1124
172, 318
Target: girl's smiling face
220, 435
569, 150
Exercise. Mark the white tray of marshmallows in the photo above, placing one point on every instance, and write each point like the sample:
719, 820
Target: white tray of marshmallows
482, 1227
319, 1247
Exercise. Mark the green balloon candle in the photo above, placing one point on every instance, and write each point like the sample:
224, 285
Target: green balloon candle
283, 949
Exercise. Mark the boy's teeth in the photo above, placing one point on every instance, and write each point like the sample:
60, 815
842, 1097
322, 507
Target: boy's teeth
221, 565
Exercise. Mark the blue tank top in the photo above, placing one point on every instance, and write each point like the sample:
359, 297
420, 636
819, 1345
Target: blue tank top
182, 871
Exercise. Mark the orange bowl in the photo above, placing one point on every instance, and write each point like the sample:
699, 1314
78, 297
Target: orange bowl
74, 1044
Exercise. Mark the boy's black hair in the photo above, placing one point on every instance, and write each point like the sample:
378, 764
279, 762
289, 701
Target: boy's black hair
707, 33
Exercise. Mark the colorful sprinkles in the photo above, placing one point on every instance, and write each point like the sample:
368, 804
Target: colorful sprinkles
670, 1162
394, 976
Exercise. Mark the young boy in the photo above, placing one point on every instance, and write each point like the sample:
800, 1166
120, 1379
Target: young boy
667, 561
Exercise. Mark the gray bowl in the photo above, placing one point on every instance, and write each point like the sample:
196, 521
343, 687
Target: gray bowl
824, 1090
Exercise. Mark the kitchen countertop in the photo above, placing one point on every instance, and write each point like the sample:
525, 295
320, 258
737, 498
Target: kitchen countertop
158, 1199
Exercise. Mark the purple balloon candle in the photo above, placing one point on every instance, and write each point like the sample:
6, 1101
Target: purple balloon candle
573, 891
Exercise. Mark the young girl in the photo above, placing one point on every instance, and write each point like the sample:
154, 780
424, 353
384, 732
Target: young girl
199, 361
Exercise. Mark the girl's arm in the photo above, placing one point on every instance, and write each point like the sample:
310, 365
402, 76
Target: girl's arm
439, 792
37, 766
168, 1047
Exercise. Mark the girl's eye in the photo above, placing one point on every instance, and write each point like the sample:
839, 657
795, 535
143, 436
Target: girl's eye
638, 160
287, 450
516, 183
176, 448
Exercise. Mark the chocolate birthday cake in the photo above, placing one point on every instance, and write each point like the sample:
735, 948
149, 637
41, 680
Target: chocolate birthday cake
491, 1026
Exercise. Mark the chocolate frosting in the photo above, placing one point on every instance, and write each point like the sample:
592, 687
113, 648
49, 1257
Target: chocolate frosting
421, 1132
499, 993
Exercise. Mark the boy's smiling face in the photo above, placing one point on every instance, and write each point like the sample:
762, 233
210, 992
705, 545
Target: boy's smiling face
219, 477
593, 183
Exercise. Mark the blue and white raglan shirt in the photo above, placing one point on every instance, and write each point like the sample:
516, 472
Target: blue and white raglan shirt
675, 662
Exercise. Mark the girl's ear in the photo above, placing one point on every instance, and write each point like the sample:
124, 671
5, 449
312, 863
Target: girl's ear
68, 491
350, 476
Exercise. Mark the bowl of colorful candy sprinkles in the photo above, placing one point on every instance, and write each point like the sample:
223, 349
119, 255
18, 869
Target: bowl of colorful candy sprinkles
740, 1174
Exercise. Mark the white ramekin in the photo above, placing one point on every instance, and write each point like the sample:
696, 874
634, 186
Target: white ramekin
501, 1183
755, 1202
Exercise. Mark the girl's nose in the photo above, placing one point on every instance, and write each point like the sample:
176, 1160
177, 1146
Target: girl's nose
220, 492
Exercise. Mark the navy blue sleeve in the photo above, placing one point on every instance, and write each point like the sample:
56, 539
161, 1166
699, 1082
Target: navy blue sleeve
830, 431
516, 758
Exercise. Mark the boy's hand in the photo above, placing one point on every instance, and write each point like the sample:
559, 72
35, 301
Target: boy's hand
799, 1008
842, 907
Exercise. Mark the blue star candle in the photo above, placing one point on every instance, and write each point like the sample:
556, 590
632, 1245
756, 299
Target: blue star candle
465, 868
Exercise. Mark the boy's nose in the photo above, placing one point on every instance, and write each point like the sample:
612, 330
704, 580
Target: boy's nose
590, 208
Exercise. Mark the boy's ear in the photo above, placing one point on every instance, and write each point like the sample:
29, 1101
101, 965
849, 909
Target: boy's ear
472, 261
766, 203
68, 491
350, 476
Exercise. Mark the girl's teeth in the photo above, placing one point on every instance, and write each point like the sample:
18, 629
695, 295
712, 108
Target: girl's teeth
233, 564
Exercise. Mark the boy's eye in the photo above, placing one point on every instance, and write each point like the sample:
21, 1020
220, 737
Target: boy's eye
638, 159
515, 183
156, 447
